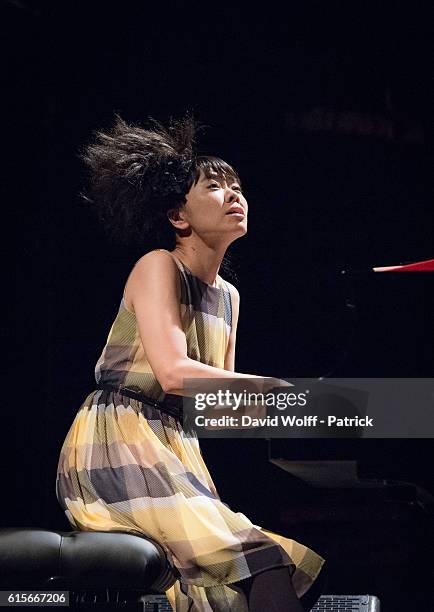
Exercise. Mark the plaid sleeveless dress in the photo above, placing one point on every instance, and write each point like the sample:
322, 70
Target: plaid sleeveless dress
127, 465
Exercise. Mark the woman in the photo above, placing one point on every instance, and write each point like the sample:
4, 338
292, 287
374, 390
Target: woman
126, 463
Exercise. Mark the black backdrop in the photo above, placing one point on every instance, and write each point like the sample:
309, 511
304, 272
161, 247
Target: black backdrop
324, 110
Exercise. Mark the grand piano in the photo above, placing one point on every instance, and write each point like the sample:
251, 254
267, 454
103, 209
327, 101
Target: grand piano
368, 504
386, 330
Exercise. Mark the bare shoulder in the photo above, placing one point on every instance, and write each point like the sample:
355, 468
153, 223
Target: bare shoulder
154, 269
159, 259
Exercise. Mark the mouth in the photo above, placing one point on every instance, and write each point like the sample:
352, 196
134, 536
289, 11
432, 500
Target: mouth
236, 210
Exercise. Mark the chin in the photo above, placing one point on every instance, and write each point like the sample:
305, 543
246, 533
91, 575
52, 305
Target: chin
240, 231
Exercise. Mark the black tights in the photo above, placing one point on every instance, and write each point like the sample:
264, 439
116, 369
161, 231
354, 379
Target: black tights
272, 590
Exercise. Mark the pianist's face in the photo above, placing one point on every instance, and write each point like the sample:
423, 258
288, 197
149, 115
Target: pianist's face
215, 209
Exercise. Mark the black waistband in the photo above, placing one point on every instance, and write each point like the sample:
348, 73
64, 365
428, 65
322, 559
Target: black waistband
172, 403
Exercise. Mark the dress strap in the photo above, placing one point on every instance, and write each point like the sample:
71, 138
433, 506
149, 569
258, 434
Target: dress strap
184, 268
175, 259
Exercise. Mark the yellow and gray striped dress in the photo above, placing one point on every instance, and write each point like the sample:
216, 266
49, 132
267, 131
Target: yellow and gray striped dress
127, 465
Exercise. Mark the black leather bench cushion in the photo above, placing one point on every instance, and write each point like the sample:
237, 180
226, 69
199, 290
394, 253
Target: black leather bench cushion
31, 558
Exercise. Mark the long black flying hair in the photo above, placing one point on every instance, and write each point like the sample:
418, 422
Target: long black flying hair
136, 175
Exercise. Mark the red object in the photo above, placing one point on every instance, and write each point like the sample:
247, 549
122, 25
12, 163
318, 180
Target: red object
419, 266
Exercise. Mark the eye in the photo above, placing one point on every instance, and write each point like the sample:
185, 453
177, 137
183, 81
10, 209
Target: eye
237, 188
214, 185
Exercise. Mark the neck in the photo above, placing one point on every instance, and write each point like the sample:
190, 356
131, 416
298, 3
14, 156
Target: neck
203, 261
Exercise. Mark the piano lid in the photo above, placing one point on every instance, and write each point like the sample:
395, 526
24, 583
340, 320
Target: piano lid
389, 322
419, 266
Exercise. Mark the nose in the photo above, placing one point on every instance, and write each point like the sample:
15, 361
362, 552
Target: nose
234, 196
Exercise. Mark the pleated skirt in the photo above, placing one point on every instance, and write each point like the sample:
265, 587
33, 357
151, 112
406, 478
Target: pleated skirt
127, 466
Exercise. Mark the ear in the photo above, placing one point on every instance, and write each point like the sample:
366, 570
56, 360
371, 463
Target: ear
176, 218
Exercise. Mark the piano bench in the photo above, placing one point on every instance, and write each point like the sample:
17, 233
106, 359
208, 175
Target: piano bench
101, 570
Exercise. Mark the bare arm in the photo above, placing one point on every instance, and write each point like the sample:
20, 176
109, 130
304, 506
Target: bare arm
154, 290
230, 351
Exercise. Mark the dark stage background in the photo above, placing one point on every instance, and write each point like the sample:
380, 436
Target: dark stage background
324, 109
